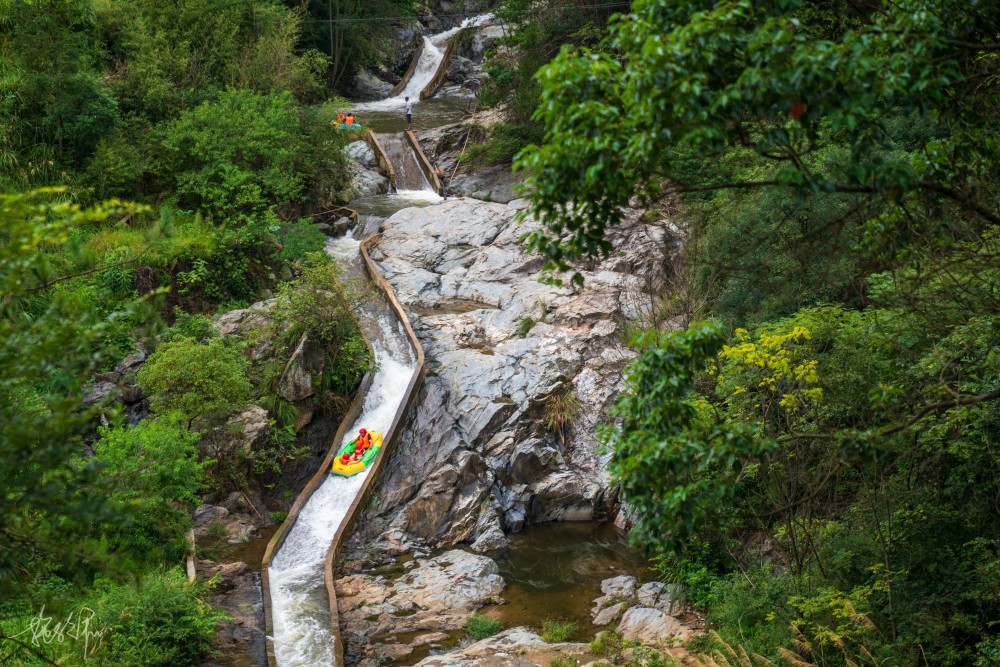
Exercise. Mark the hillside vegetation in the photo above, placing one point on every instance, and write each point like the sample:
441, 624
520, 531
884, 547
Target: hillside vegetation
162, 161
815, 452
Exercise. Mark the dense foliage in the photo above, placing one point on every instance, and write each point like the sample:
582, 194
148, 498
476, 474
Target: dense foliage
213, 117
533, 32
818, 464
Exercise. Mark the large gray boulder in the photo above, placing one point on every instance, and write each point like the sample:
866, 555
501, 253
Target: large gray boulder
652, 626
362, 153
436, 595
517, 647
303, 370
369, 86
366, 182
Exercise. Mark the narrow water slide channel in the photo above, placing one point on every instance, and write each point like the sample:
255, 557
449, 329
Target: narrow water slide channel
302, 633
297, 596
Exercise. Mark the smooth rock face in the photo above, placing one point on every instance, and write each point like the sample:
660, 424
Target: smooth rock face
619, 594
239, 639
98, 392
245, 320
476, 459
362, 153
622, 587
302, 371
610, 614
434, 596
660, 596
254, 428
368, 85
651, 626
366, 182
517, 647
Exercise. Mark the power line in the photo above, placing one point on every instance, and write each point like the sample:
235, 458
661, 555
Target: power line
389, 19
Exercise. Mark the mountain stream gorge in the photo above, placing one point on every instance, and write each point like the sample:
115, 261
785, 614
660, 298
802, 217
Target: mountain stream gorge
480, 508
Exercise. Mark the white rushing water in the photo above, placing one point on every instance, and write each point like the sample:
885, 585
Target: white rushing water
427, 66
299, 605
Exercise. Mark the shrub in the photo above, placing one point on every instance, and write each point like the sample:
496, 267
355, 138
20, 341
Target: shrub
236, 154
526, 324
194, 326
158, 622
619, 652
481, 627
561, 410
300, 239
157, 457
554, 631
562, 662
153, 472
504, 142
197, 379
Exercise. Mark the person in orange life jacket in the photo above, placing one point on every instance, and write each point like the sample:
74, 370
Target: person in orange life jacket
362, 444
340, 117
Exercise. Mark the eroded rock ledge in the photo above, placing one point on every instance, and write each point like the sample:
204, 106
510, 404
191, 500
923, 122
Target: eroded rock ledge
483, 455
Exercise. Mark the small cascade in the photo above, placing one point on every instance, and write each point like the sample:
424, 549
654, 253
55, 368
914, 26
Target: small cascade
426, 67
409, 175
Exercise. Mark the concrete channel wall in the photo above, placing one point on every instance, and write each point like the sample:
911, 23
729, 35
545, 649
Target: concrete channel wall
442, 71
389, 442
398, 88
425, 164
384, 163
317, 480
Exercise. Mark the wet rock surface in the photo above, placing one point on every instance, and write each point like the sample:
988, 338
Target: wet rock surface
362, 153
366, 182
479, 457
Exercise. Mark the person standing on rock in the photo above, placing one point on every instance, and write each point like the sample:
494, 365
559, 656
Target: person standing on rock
409, 113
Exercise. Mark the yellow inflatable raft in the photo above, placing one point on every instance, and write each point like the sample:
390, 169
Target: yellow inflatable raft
353, 467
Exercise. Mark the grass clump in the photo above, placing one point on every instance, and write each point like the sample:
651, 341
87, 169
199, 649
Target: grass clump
616, 651
561, 411
561, 662
526, 324
481, 627
555, 631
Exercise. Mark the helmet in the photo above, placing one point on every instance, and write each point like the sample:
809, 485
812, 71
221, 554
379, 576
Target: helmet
362, 431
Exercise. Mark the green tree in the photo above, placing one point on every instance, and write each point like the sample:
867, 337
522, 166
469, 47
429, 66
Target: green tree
339, 29
53, 106
154, 476
49, 346
160, 621
200, 380
236, 155
697, 79
814, 153
156, 458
